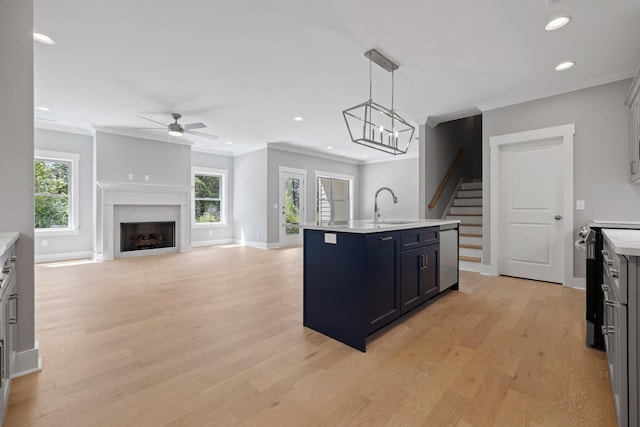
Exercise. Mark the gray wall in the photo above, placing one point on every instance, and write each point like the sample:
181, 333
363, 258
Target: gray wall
215, 234
250, 197
118, 155
277, 158
399, 175
601, 152
16, 148
83, 145
441, 145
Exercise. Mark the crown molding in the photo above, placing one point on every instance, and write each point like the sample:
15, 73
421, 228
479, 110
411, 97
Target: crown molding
633, 90
284, 146
141, 135
63, 128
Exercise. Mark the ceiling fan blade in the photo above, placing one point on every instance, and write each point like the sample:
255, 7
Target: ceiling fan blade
142, 128
154, 121
202, 134
194, 126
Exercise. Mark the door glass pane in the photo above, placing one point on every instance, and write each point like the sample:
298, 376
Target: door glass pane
292, 204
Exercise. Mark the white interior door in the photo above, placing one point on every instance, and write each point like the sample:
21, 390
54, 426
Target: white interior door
291, 207
530, 229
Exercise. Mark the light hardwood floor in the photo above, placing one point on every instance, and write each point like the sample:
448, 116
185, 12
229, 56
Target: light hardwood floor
215, 337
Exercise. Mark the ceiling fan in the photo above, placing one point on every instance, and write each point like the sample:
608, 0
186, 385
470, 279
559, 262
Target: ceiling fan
178, 129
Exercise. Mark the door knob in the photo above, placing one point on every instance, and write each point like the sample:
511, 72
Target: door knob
558, 217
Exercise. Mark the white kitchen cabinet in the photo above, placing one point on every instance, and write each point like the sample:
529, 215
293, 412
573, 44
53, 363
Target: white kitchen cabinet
8, 315
633, 102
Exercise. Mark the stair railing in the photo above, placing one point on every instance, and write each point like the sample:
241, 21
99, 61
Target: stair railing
446, 179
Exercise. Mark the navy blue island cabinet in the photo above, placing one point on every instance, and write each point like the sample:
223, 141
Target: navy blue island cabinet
356, 283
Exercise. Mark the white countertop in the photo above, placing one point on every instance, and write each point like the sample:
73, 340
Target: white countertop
624, 242
615, 224
6, 240
367, 225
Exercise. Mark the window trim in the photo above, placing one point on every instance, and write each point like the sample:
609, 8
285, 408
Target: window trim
332, 175
223, 173
74, 191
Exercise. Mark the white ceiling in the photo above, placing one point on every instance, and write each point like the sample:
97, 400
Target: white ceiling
246, 68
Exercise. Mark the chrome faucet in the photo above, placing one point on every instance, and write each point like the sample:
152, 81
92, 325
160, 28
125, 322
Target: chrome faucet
376, 213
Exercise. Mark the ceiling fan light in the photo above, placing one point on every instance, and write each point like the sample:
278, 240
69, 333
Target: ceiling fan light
175, 132
557, 23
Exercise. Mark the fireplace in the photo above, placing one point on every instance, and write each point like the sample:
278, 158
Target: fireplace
125, 203
139, 236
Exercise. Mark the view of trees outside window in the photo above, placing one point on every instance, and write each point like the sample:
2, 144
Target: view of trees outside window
292, 204
207, 198
52, 194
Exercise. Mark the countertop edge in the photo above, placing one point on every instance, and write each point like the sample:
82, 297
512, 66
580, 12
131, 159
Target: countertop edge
624, 242
7, 239
366, 227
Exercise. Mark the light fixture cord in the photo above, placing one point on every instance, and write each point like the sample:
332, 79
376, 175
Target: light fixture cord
370, 84
393, 124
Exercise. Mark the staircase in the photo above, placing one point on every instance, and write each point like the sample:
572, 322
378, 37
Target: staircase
467, 208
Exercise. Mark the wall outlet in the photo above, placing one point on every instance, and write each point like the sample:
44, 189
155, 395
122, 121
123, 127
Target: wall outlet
146, 177
275, 206
580, 205
44, 242
210, 232
258, 233
130, 177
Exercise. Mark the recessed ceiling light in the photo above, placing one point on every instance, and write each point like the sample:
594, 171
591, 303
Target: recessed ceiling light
329, 147
229, 143
364, 155
42, 38
556, 23
298, 119
43, 109
565, 65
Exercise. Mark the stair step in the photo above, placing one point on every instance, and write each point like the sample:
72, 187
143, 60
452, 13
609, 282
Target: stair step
468, 201
467, 219
462, 194
473, 239
471, 252
465, 210
471, 185
470, 235
470, 228
465, 245
470, 265
470, 258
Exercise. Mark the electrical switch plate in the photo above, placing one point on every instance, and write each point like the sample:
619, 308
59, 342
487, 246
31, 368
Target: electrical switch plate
44, 242
146, 177
275, 206
130, 176
580, 205
331, 238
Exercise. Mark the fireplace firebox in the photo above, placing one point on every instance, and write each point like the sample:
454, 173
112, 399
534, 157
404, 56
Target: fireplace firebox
138, 236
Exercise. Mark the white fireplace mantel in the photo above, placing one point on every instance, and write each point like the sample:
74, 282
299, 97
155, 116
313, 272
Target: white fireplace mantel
132, 194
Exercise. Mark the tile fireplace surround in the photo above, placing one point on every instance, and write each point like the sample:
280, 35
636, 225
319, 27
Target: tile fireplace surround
152, 201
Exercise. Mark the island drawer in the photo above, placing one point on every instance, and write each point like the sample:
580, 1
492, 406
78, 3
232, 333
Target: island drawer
417, 237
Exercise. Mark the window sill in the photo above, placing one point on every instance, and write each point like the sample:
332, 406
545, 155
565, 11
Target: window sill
210, 225
50, 232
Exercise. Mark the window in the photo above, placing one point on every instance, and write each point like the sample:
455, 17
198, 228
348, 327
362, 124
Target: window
209, 196
333, 198
56, 192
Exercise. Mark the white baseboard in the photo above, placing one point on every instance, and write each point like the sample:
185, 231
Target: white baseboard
27, 362
201, 243
63, 256
579, 283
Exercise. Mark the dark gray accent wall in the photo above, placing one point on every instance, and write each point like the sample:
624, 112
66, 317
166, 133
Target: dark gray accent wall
277, 158
250, 197
441, 146
16, 150
215, 233
82, 145
402, 177
601, 153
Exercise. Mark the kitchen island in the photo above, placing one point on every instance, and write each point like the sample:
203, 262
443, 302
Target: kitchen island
361, 276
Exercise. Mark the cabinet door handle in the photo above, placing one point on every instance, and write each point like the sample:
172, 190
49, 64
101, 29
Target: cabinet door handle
614, 272
14, 319
387, 238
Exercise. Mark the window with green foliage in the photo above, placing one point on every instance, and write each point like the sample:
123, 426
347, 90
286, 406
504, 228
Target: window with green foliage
208, 198
52, 194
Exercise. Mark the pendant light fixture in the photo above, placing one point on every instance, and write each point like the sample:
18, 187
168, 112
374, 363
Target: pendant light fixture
372, 125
